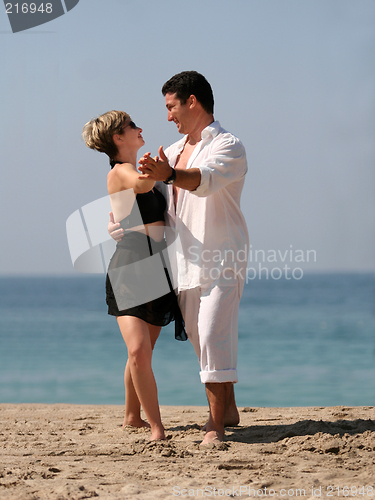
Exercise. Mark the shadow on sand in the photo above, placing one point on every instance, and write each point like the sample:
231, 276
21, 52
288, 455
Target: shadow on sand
274, 433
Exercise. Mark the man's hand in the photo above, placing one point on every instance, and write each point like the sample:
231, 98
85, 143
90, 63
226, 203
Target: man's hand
114, 229
157, 168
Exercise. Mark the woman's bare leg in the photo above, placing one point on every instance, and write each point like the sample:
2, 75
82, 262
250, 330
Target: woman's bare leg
132, 405
137, 336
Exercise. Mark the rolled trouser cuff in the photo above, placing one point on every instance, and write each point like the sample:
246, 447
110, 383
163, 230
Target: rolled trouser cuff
219, 376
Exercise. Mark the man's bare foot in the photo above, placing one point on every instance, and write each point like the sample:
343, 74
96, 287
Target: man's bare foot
231, 419
208, 425
213, 437
135, 422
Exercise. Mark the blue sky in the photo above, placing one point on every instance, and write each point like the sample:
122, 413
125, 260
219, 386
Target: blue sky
293, 79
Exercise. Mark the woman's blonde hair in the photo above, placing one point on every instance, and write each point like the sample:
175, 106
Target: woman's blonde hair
98, 132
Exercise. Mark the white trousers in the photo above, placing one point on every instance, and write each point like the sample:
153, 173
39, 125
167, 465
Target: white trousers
211, 321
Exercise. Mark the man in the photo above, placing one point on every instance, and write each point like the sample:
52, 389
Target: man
204, 173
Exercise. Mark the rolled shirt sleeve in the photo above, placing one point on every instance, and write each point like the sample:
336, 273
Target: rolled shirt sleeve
225, 164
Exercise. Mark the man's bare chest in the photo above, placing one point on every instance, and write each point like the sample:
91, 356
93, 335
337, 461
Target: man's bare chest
184, 157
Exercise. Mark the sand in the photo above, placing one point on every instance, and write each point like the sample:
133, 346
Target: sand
59, 452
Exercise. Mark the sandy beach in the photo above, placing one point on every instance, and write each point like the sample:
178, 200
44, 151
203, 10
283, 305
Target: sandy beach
59, 452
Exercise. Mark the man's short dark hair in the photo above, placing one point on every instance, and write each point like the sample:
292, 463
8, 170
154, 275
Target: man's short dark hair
190, 83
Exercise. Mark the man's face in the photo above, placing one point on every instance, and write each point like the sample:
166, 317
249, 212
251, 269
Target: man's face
178, 113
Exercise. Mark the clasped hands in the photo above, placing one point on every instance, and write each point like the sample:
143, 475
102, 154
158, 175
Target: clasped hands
156, 168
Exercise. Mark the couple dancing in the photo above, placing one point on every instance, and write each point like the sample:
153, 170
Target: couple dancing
196, 185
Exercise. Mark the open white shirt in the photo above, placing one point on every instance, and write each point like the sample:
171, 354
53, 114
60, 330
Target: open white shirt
211, 229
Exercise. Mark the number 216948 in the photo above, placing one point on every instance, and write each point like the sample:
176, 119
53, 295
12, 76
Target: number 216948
26, 8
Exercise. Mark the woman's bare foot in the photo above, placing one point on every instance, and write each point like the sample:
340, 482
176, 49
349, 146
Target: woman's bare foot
213, 437
135, 422
157, 434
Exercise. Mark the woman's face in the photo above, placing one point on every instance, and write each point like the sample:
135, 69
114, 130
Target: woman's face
132, 135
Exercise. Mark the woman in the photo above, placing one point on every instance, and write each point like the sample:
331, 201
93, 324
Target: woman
142, 219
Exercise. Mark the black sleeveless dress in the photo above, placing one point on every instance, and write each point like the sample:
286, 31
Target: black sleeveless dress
139, 269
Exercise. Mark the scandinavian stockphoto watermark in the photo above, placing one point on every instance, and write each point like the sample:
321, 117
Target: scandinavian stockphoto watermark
276, 264
248, 264
146, 269
25, 15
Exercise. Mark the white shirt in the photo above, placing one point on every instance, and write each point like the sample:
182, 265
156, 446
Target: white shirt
208, 221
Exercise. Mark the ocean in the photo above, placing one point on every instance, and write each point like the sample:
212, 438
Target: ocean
302, 342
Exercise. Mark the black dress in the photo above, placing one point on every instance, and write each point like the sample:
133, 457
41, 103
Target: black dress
138, 269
